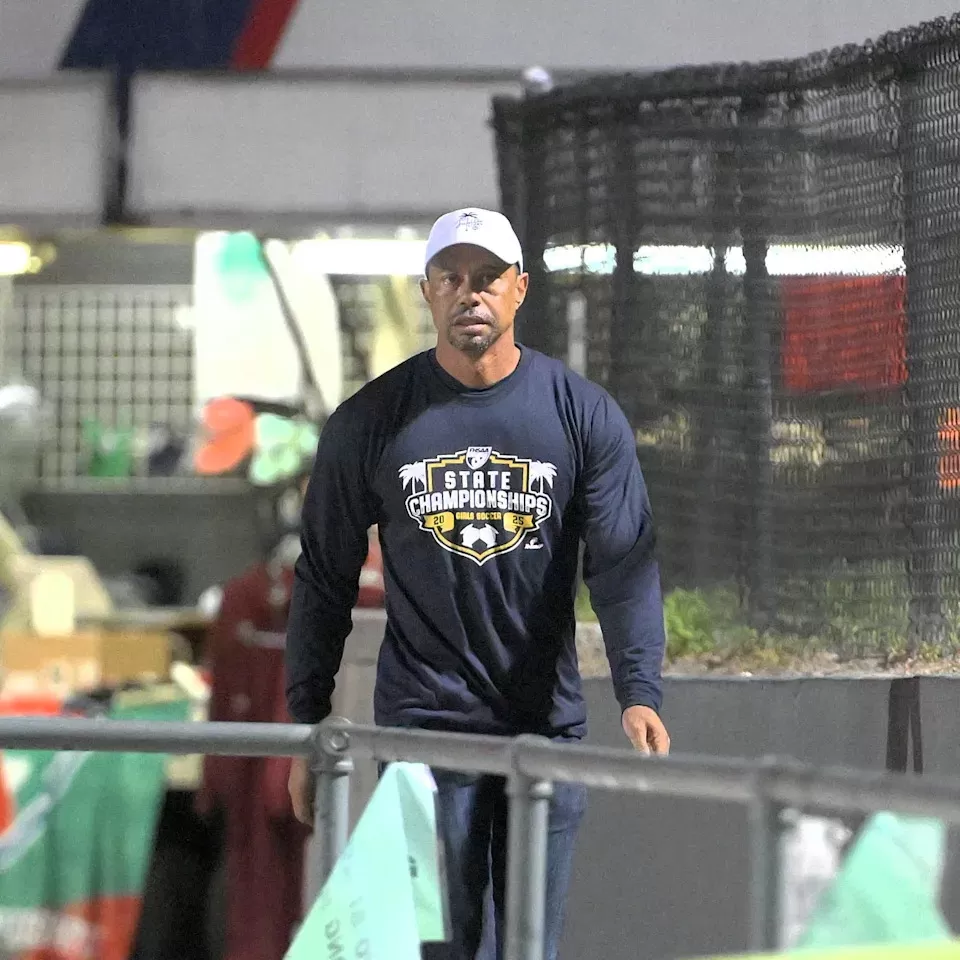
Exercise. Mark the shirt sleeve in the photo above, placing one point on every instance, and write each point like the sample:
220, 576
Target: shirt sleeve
620, 569
336, 515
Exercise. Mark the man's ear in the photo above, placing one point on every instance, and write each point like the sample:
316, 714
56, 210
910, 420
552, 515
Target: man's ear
425, 288
522, 283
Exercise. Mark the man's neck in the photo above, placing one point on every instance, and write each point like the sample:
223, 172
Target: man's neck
478, 372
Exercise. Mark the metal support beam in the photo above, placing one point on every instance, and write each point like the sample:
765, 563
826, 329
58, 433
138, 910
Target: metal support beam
332, 767
147, 736
483, 754
332, 817
765, 817
930, 250
707, 778
754, 179
528, 828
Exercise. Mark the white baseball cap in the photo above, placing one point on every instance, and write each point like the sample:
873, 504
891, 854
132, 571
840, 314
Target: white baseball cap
481, 228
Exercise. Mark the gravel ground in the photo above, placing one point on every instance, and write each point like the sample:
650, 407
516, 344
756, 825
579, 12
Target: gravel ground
593, 663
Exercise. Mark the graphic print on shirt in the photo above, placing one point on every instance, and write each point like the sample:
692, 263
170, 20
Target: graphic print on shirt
479, 502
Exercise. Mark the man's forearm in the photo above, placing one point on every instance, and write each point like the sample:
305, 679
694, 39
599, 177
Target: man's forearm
316, 633
635, 644
629, 606
337, 513
620, 568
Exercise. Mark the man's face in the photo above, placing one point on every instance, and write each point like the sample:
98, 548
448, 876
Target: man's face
473, 296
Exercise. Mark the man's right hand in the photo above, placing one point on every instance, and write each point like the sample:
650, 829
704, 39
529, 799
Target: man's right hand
302, 789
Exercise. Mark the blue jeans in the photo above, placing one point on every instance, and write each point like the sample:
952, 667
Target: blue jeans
472, 823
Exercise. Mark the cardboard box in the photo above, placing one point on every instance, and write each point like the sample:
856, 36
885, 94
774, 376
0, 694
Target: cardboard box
86, 659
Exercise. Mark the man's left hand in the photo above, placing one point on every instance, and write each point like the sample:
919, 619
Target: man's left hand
646, 731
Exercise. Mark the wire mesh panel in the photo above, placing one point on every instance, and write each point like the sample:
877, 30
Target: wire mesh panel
118, 354
114, 355
764, 261
6, 298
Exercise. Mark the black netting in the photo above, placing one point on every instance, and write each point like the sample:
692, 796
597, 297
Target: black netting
764, 264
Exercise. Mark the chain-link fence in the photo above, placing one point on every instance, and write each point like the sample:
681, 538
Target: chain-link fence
764, 262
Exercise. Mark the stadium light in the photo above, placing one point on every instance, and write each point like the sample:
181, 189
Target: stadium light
17, 258
783, 260
403, 256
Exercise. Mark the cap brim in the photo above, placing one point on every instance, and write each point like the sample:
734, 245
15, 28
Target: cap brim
462, 243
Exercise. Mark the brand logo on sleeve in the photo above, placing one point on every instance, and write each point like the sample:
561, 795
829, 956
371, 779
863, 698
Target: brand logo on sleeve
479, 502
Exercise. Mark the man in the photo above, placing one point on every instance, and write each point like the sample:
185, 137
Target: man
485, 464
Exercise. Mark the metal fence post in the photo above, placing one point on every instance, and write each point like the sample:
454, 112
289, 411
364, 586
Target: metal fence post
526, 863
766, 826
332, 768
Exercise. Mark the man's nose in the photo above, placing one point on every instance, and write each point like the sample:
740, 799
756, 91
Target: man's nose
467, 293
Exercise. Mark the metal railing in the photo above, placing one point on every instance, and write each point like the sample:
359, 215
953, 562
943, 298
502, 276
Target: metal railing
531, 766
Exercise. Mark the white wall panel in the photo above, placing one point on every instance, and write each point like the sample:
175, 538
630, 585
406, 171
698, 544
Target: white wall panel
209, 148
56, 138
601, 35
33, 35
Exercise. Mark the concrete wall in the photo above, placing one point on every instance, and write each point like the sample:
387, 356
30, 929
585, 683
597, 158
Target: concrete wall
213, 534
658, 878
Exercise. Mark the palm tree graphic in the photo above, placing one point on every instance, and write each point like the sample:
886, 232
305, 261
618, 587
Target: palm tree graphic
413, 473
540, 472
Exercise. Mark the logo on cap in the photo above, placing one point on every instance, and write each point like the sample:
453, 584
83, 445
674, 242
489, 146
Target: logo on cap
469, 221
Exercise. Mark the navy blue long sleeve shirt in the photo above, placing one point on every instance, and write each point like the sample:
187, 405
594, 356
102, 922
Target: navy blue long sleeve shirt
482, 497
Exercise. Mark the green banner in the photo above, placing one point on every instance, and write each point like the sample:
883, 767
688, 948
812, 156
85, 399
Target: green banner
386, 893
76, 846
888, 888
884, 903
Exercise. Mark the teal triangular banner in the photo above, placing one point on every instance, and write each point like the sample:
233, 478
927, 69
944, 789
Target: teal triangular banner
888, 889
386, 894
